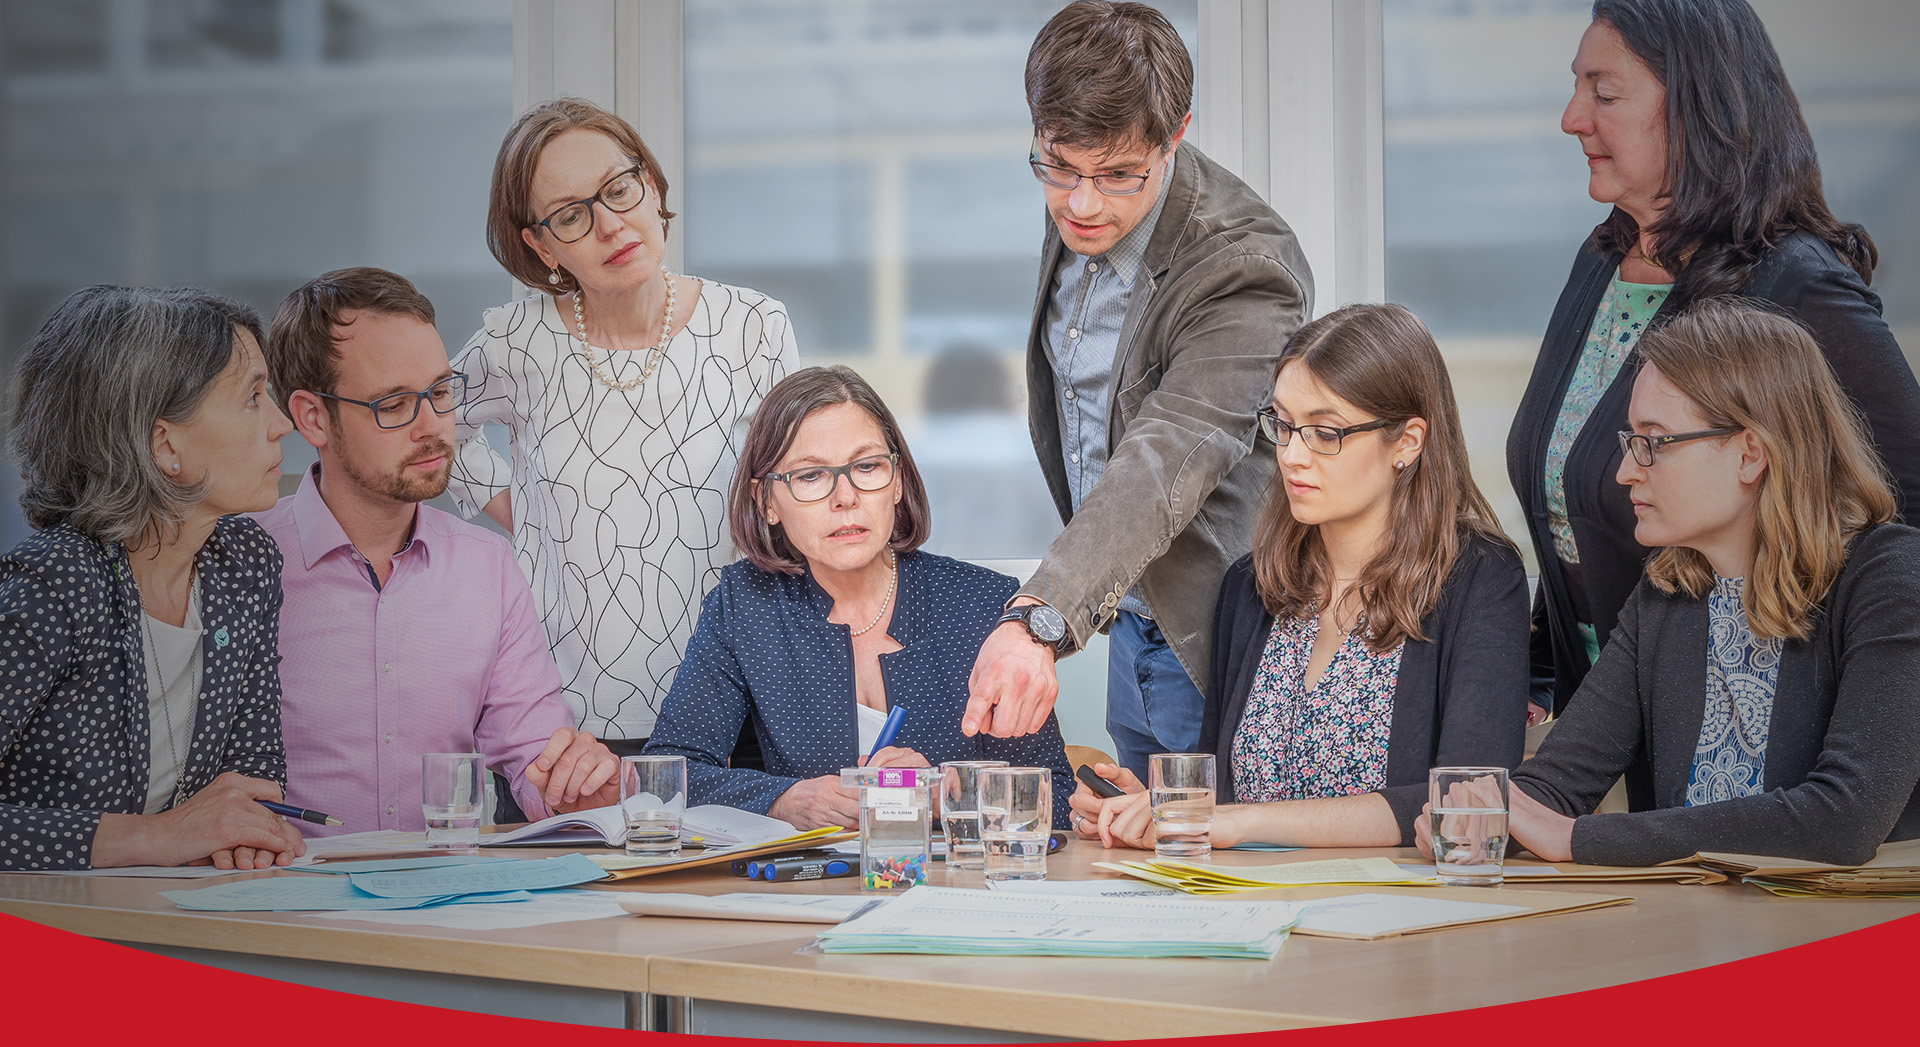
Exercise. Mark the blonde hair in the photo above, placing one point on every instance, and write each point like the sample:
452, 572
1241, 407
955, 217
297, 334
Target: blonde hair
1382, 360
1749, 367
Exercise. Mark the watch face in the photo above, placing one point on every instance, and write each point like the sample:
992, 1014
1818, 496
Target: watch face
1046, 624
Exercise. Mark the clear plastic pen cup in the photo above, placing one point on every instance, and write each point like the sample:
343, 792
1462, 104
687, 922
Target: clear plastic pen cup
1181, 785
896, 824
452, 798
1467, 811
960, 812
1016, 815
653, 797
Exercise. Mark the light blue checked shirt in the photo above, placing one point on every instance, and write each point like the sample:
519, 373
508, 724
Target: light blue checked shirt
1084, 316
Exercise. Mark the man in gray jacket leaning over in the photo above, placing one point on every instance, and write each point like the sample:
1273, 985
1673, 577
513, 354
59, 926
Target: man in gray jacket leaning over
1167, 289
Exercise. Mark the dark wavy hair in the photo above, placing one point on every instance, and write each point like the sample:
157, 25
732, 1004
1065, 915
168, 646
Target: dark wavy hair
776, 422
1741, 169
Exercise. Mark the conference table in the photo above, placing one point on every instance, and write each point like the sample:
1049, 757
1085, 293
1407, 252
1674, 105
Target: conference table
749, 978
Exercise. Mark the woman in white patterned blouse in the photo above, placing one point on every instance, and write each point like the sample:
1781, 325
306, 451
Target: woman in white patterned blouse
624, 389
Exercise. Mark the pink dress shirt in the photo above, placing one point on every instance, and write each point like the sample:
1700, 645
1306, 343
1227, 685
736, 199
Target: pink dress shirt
446, 657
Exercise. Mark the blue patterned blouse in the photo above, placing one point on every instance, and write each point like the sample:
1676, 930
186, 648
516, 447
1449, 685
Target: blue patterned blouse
1297, 742
1730, 760
1623, 313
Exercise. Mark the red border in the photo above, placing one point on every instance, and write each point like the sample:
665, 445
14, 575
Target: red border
1851, 987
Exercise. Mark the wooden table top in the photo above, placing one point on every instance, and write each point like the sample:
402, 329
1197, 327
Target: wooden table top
1669, 928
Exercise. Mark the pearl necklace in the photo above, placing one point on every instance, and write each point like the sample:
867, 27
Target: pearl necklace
893, 581
653, 355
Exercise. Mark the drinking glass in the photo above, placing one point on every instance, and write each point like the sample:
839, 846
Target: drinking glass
1468, 811
1181, 785
960, 811
653, 795
452, 796
1016, 814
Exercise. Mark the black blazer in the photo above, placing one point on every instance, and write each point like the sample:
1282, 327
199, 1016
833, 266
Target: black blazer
1802, 275
1461, 697
1843, 747
75, 724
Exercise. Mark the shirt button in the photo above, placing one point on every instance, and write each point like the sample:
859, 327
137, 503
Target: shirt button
1070, 394
389, 737
389, 808
1093, 267
1073, 458
386, 667
1073, 332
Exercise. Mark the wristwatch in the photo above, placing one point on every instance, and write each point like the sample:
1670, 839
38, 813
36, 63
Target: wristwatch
1043, 623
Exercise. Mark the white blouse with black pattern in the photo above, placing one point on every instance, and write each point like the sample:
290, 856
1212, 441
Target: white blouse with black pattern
74, 713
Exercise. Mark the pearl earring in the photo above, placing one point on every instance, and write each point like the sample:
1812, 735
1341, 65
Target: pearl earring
1399, 465
553, 275
175, 467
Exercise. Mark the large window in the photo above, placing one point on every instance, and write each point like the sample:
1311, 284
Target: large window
864, 162
245, 146
1486, 199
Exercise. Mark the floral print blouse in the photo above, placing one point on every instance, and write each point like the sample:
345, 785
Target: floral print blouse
1730, 760
1623, 313
1297, 742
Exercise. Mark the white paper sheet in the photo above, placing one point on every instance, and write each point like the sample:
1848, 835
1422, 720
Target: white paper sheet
1376, 914
545, 907
1512, 870
1086, 888
379, 841
778, 908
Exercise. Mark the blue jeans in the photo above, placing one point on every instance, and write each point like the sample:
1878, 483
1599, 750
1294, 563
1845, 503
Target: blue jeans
1152, 705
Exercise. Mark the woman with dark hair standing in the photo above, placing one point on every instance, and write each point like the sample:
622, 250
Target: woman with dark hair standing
1764, 667
1377, 629
833, 617
139, 629
1692, 133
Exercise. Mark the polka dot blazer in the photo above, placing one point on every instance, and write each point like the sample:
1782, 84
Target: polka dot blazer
74, 730
764, 651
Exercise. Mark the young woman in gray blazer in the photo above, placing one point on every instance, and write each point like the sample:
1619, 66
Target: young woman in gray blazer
1764, 667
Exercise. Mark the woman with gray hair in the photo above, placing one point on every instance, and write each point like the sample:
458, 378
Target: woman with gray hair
139, 629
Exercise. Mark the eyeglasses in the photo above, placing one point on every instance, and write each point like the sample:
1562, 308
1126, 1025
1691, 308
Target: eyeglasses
398, 410
818, 481
621, 193
1320, 439
1640, 448
1061, 178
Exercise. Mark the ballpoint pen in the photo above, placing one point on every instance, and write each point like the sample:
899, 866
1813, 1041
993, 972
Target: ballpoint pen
889, 730
300, 813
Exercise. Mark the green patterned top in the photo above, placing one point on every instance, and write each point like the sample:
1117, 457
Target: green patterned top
1623, 314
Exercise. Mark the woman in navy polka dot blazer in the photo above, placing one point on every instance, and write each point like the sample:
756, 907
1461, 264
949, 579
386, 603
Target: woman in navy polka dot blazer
834, 617
139, 629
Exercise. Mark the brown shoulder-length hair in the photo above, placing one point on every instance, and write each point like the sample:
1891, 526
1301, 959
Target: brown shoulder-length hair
1100, 74
1746, 366
1383, 361
771, 434
1741, 168
510, 202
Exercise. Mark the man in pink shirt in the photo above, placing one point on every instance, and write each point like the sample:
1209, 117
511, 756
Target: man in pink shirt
404, 630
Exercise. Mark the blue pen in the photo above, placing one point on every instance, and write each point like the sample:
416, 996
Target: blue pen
801, 867
889, 730
300, 813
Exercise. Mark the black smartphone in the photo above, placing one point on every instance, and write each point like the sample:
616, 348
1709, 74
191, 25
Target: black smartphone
1100, 786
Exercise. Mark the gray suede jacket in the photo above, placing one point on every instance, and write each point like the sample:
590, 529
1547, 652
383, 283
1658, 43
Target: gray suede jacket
1223, 286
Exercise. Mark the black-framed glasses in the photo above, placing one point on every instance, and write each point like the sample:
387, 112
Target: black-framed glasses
1061, 178
398, 410
619, 194
814, 482
1641, 448
1320, 439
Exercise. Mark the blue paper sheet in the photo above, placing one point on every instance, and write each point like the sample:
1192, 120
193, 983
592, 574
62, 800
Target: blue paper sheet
286, 893
374, 865
536, 875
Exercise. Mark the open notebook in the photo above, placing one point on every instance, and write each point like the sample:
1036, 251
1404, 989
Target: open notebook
709, 825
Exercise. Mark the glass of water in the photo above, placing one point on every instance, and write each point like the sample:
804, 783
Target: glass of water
452, 796
1016, 814
960, 811
1181, 785
653, 794
1468, 812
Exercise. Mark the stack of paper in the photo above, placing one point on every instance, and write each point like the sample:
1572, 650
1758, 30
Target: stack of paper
1569, 872
978, 922
1894, 872
623, 867
1195, 878
379, 885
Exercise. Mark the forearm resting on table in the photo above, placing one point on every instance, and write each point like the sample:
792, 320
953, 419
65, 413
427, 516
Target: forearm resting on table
1365, 820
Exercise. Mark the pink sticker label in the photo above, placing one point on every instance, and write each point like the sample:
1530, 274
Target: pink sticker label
897, 777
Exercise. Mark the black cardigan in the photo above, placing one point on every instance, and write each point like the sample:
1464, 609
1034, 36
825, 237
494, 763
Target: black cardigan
1802, 275
1843, 746
1461, 696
